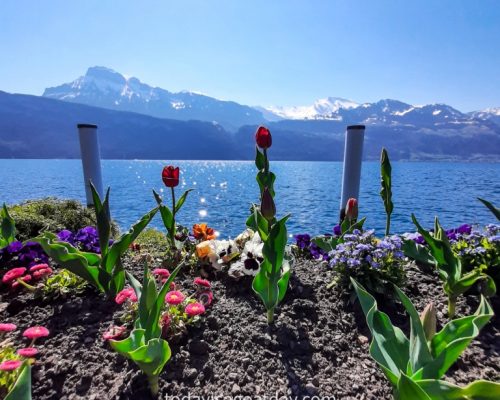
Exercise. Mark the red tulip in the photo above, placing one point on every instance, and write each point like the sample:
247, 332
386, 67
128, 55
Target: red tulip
351, 209
170, 176
263, 137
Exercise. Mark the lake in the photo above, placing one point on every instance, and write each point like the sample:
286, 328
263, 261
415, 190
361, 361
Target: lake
310, 191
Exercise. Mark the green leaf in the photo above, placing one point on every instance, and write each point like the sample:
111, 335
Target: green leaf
136, 285
266, 180
408, 389
182, 200
132, 343
152, 324
147, 300
260, 159
469, 279
72, 259
283, 282
436, 247
22, 388
326, 243
266, 287
478, 390
386, 185
447, 345
266, 282
418, 253
389, 347
419, 351
258, 223
491, 207
152, 357
121, 245
103, 218
7, 228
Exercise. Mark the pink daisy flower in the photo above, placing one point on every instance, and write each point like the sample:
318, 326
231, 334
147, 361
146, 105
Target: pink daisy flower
39, 267
114, 332
36, 332
193, 309
124, 295
162, 273
202, 282
174, 298
10, 365
28, 352
5, 327
40, 273
12, 274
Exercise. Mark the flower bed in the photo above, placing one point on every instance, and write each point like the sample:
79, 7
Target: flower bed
318, 345
150, 314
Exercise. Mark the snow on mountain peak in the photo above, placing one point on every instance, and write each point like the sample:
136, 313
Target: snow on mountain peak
322, 108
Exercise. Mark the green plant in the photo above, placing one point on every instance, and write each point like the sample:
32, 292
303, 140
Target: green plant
491, 207
145, 346
449, 265
330, 243
62, 283
7, 227
271, 282
104, 271
21, 390
415, 366
386, 187
52, 215
170, 176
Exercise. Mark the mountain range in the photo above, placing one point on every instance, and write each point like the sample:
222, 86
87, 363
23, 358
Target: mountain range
195, 126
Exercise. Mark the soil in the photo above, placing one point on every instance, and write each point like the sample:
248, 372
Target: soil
318, 345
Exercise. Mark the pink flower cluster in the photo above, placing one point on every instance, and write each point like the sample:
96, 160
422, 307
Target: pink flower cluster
14, 276
126, 294
27, 353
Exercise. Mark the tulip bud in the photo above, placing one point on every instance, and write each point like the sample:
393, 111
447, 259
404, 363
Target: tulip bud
263, 137
267, 207
428, 319
351, 209
170, 176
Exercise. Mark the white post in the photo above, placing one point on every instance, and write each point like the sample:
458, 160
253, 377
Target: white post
353, 154
91, 159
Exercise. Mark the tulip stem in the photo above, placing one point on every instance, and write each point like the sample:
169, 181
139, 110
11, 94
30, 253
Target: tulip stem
270, 316
387, 225
451, 307
266, 164
153, 384
172, 231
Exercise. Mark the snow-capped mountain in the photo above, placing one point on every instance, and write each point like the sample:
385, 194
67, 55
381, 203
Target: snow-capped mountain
383, 112
489, 114
321, 109
103, 87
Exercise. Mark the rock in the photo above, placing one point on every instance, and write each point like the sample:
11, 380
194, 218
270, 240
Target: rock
190, 373
199, 347
311, 389
362, 339
235, 390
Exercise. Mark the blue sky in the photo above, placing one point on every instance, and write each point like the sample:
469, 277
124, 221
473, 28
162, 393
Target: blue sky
274, 52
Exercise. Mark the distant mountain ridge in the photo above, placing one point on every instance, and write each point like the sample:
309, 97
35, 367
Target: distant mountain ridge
103, 87
140, 121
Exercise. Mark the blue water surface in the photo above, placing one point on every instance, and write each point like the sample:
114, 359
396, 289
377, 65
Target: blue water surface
310, 191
